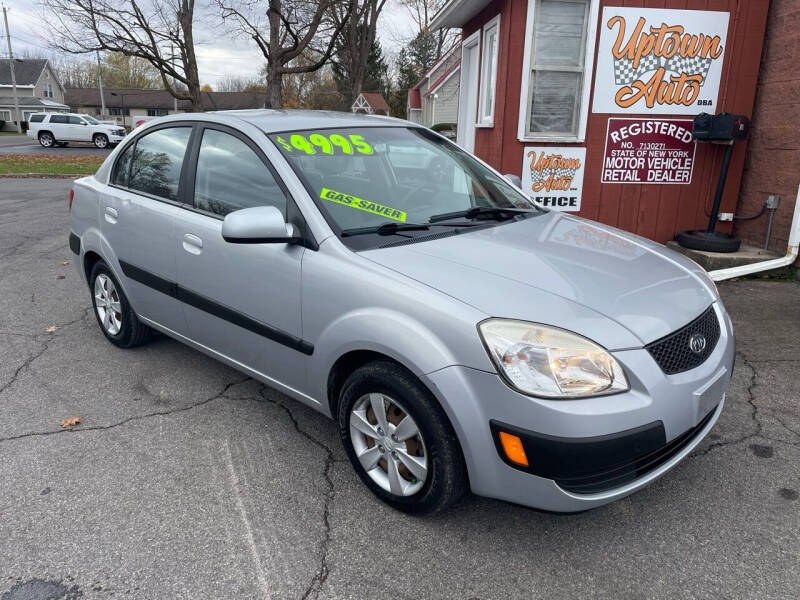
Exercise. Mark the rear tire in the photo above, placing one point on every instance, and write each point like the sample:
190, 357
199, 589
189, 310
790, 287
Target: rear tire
437, 475
100, 140
46, 139
114, 313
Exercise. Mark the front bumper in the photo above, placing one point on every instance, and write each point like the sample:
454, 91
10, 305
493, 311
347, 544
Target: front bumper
686, 402
115, 139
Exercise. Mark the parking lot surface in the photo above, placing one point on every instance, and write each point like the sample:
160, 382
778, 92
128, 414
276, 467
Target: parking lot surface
22, 144
186, 479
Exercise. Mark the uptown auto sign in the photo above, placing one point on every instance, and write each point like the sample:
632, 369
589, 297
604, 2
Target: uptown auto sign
659, 61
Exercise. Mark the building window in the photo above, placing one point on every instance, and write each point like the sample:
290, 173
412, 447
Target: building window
156, 112
488, 85
5, 115
48, 90
559, 53
119, 111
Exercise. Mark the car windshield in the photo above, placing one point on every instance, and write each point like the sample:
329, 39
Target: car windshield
365, 177
90, 120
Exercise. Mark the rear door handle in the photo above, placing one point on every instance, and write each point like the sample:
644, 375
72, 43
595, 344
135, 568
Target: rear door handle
111, 214
192, 244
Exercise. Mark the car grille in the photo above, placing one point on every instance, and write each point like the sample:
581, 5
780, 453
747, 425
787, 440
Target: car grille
674, 354
622, 474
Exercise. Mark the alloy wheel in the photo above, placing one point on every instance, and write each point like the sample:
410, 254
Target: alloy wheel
107, 304
388, 444
46, 140
100, 141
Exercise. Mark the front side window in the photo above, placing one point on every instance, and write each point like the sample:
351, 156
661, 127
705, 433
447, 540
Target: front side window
90, 120
488, 86
157, 160
369, 176
558, 53
231, 176
76, 121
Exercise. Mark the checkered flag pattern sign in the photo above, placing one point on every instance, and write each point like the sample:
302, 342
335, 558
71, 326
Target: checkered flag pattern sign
557, 173
625, 74
690, 65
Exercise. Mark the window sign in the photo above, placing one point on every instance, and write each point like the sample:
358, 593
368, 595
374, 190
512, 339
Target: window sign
553, 177
661, 61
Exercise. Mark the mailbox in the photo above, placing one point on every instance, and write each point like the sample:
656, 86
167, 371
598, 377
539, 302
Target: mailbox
721, 127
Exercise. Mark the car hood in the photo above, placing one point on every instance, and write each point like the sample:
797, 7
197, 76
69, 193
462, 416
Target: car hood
619, 289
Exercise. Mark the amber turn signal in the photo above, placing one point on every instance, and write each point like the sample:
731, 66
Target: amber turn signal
512, 446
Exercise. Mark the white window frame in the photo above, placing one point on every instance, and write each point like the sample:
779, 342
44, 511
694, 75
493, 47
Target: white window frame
525, 95
3, 112
488, 74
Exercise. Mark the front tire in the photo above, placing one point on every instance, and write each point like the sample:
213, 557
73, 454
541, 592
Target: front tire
114, 314
100, 140
399, 440
46, 139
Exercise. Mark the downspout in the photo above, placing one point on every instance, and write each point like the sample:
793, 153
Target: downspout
791, 253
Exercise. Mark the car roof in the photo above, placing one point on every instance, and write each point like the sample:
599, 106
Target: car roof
272, 121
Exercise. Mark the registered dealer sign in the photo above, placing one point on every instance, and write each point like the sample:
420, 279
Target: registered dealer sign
648, 151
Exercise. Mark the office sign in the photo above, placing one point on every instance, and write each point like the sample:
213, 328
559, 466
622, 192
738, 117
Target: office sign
660, 61
648, 151
553, 177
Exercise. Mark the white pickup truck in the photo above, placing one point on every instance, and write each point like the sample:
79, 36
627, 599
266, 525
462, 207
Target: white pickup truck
58, 129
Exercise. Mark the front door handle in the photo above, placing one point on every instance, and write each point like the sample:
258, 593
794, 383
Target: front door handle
192, 244
111, 214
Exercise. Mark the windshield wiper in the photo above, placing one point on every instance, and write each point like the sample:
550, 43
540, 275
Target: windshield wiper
476, 212
392, 228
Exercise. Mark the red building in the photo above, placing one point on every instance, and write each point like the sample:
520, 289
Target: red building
591, 103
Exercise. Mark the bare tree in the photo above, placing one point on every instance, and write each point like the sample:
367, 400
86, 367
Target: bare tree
422, 12
359, 23
158, 31
284, 32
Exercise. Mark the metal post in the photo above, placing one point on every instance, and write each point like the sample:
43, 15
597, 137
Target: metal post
100, 81
13, 76
726, 161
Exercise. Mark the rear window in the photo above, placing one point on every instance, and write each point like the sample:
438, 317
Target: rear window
36, 118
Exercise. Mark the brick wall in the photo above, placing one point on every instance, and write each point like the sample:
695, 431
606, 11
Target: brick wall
772, 163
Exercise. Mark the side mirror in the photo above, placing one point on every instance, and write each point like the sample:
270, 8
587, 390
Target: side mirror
257, 225
513, 179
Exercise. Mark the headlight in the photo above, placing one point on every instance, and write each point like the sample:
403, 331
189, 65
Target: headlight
549, 362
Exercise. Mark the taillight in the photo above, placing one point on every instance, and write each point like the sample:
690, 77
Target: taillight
71, 198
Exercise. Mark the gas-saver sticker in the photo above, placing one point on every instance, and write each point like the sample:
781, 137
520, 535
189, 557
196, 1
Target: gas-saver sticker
361, 204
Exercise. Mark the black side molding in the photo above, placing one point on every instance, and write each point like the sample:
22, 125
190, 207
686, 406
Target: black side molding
216, 309
74, 243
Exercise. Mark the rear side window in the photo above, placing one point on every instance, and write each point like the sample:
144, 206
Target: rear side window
59, 119
36, 119
122, 168
231, 176
156, 161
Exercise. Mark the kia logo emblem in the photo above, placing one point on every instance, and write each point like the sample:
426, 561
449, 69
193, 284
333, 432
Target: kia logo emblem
697, 343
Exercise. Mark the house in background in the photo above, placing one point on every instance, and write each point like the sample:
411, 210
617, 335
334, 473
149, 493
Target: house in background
435, 97
371, 104
124, 105
38, 90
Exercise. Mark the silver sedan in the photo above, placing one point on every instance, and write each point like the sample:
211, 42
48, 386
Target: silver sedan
461, 337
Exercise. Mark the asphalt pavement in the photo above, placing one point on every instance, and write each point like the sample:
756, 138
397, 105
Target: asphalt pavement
22, 144
186, 479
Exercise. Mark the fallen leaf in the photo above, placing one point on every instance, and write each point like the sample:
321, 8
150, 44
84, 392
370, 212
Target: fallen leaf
70, 422
52, 329
65, 263
59, 276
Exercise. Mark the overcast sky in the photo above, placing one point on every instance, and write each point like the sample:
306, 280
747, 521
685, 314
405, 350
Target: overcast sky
218, 54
